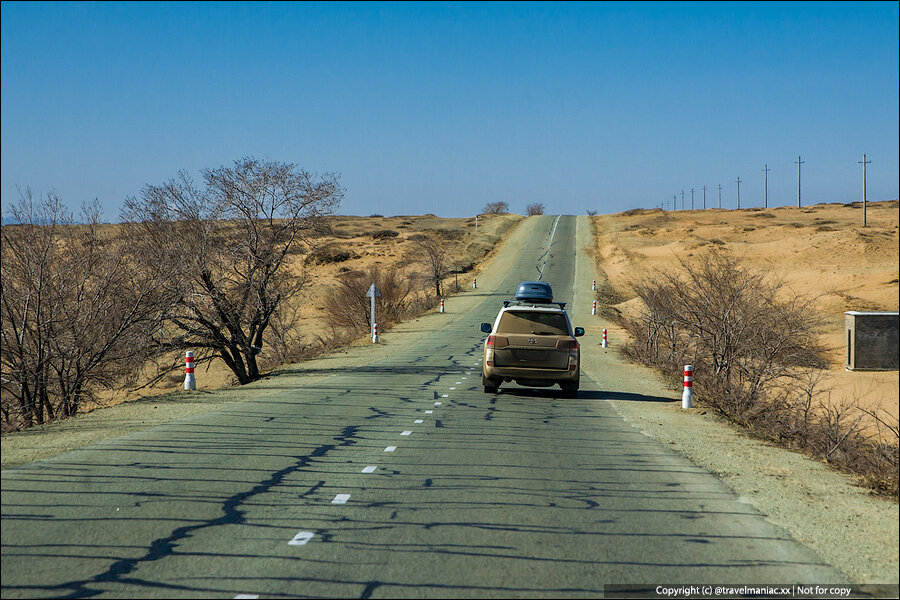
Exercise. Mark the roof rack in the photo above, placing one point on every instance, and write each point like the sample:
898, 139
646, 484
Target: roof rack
507, 303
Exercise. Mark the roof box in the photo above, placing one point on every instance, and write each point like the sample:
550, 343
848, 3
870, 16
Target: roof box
534, 291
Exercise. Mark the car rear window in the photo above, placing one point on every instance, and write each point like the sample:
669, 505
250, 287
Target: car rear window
533, 323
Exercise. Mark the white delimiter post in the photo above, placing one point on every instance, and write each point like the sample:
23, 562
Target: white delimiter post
687, 398
374, 333
604, 345
189, 382
594, 308
594, 285
474, 283
442, 305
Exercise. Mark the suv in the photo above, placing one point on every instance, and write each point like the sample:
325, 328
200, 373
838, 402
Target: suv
532, 342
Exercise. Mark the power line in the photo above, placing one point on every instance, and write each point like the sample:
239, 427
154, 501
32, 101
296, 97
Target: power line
798, 162
864, 162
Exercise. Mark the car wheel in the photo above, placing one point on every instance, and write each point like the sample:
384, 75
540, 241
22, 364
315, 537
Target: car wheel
570, 390
491, 386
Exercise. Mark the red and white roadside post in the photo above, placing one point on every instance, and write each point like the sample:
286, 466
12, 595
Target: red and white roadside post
687, 398
189, 382
375, 333
442, 305
594, 285
604, 344
594, 308
474, 283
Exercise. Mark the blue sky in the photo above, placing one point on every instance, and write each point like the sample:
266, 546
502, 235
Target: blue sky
442, 108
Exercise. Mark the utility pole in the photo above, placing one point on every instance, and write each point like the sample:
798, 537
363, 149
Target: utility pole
766, 170
739, 193
674, 201
720, 195
864, 162
692, 198
682, 199
798, 162
704, 197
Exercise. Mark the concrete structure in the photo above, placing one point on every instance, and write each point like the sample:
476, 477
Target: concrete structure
873, 343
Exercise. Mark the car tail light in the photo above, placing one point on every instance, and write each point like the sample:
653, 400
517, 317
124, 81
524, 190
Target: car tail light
567, 345
497, 341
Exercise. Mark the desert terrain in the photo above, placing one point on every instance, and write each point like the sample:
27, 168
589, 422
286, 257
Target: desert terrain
821, 251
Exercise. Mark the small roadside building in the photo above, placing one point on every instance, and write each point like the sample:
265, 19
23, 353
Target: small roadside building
873, 342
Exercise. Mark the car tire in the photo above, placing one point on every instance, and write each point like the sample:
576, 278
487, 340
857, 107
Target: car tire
491, 386
569, 389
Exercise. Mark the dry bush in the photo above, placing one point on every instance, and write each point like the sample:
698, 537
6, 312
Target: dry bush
534, 209
495, 208
348, 309
757, 361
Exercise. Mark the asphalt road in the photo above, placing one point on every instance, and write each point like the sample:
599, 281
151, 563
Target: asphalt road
398, 479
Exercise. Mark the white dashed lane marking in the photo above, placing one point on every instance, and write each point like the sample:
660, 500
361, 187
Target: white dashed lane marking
438, 403
428, 412
369, 469
417, 421
407, 432
451, 389
390, 448
341, 499
299, 540
445, 395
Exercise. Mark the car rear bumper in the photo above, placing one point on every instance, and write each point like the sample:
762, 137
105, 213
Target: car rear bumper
523, 374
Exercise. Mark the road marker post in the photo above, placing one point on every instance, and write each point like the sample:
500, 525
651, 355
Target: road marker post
687, 398
594, 285
442, 305
189, 382
373, 293
474, 283
594, 308
604, 344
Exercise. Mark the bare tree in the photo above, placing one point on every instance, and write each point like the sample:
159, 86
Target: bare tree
495, 208
231, 241
75, 312
435, 250
347, 306
534, 209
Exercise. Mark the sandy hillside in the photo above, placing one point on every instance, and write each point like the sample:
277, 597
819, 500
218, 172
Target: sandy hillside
355, 244
820, 251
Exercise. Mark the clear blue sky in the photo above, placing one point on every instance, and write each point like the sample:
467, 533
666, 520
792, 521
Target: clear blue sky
442, 108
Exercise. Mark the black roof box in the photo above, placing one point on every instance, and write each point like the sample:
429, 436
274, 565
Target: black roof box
534, 291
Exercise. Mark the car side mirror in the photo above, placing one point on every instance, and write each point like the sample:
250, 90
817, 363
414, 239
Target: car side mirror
486, 327
579, 331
